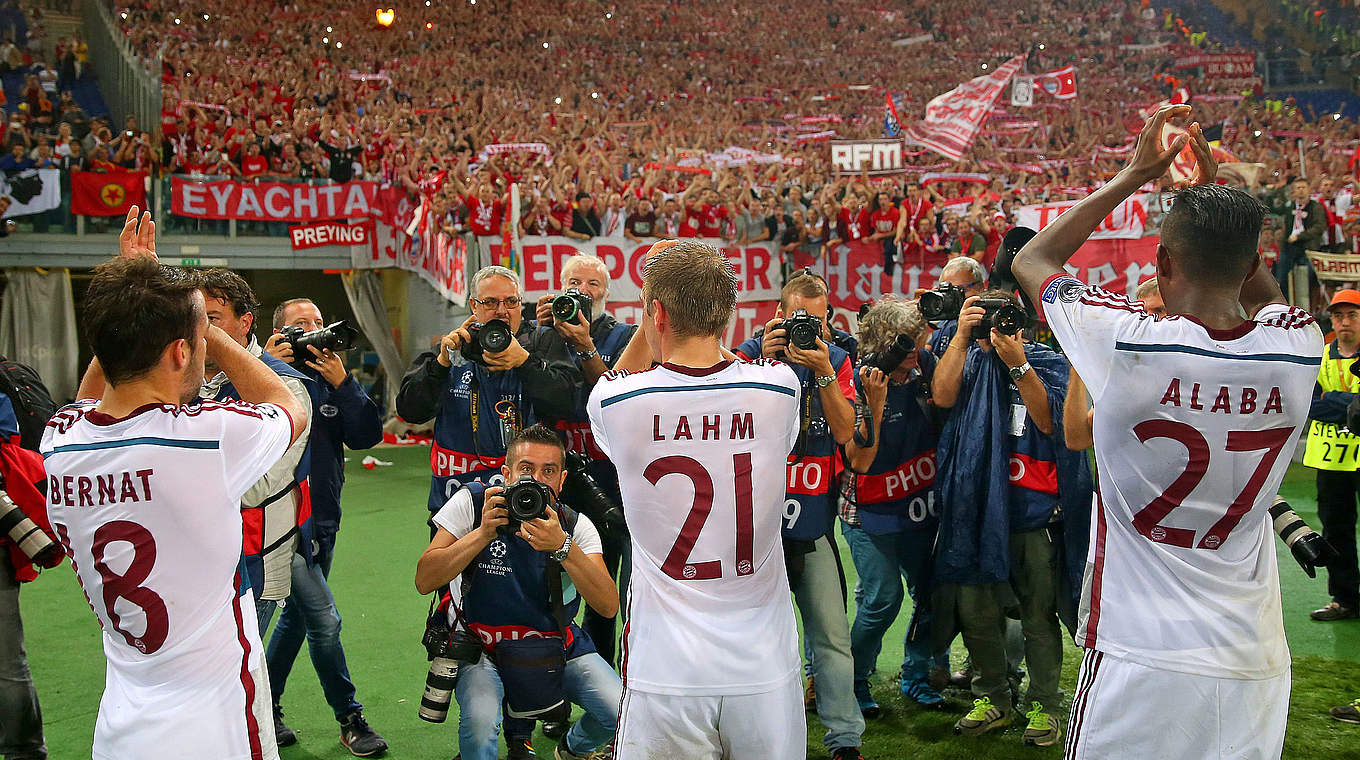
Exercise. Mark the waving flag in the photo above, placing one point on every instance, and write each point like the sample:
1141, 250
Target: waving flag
1060, 84
954, 118
892, 124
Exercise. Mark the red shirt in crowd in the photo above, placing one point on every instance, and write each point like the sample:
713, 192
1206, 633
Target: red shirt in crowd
884, 220
856, 225
689, 225
917, 210
254, 166
484, 219
711, 220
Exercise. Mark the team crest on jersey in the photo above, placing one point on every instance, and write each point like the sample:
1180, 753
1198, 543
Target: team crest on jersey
1063, 289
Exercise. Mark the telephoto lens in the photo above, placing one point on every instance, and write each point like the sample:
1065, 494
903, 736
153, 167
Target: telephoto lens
439, 684
31, 540
337, 336
892, 356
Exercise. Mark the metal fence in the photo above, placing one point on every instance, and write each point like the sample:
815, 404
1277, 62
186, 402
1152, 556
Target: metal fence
129, 86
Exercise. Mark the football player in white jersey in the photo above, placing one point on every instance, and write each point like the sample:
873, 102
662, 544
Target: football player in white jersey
710, 660
144, 493
1196, 415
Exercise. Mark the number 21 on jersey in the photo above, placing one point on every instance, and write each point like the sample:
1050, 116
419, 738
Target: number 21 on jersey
678, 564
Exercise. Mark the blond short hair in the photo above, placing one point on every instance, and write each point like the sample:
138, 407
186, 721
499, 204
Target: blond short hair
1146, 288
805, 284
696, 285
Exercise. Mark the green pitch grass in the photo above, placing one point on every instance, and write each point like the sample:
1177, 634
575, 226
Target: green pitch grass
384, 532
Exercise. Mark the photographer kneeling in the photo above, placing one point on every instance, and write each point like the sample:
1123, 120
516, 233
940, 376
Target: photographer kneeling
516, 601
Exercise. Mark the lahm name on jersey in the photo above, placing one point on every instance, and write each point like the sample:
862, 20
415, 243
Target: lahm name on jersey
99, 490
709, 427
1222, 399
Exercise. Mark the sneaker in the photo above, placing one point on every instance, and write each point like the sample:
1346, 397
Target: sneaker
283, 735
358, 738
847, 753
809, 696
520, 748
1347, 713
867, 706
984, 717
921, 692
562, 753
1042, 730
555, 729
1334, 611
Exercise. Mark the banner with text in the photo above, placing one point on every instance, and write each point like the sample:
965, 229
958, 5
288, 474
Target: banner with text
271, 201
872, 157
304, 236
1335, 267
1127, 221
1221, 65
438, 258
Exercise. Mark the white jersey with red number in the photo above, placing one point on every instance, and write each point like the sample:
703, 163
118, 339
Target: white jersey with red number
1194, 429
701, 455
149, 509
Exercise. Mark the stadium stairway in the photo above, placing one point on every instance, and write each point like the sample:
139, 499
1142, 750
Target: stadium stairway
85, 90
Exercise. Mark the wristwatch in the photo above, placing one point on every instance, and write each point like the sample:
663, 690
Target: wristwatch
561, 554
1019, 372
586, 356
825, 380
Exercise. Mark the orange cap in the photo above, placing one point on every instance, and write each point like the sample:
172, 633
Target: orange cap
1347, 296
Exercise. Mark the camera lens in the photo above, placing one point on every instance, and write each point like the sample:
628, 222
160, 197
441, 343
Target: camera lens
804, 335
565, 308
495, 336
932, 305
439, 685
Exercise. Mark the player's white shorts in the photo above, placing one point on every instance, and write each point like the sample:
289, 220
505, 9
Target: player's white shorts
766, 726
1125, 710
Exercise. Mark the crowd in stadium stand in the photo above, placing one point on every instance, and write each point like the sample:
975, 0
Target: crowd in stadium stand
621, 93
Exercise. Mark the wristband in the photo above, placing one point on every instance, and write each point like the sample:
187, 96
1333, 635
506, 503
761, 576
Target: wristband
586, 356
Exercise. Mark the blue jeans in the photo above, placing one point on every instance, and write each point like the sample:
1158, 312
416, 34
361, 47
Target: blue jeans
882, 561
311, 614
588, 681
819, 592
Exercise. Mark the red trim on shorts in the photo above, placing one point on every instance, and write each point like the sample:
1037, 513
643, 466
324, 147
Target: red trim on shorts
248, 683
1097, 575
1078, 719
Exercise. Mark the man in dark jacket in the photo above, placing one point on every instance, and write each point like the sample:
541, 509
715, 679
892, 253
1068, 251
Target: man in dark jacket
343, 415
1305, 222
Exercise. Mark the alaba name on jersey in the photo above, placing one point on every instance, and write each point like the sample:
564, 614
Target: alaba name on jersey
1194, 429
701, 457
148, 507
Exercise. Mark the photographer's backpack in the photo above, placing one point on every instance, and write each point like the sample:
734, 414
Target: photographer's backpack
33, 405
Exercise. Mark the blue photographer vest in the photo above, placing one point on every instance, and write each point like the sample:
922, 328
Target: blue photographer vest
575, 431
898, 492
252, 520
464, 451
809, 507
1033, 472
507, 590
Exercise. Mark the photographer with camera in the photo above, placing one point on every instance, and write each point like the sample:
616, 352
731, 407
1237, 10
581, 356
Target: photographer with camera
343, 415
522, 562
596, 341
489, 378
1014, 510
888, 513
827, 420
27, 543
960, 278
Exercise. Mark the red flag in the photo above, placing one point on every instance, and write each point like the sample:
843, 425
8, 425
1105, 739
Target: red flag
107, 193
1061, 84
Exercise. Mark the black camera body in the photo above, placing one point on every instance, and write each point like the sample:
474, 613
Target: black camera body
802, 329
891, 357
1006, 317
944, 302
569, 305
525, 499
582, 492
442, 641
336, 336
493, 336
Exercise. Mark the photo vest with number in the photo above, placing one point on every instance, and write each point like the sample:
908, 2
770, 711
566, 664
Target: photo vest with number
1330, 447
507, 591
810, 510
462, 451
1033, 470
898, 491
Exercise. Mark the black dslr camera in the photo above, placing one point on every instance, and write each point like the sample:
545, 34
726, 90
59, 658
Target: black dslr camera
1006, 317
889, 358
944, 302
571, 303
493, 336
802, 329
525, 499
446, 649
337, 336
581, 491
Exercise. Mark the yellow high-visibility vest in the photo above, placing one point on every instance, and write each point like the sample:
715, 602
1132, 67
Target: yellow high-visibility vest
1331, 446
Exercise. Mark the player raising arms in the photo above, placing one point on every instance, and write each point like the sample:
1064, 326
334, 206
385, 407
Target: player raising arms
1195, 418
710, 660
144, 493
